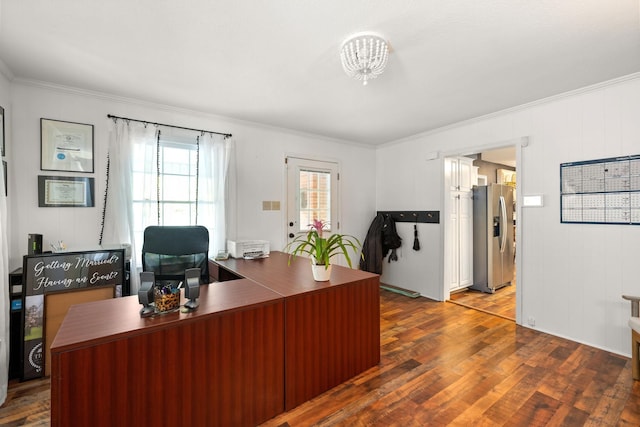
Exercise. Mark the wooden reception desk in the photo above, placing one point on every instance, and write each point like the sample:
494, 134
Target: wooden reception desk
256, 346
332, 329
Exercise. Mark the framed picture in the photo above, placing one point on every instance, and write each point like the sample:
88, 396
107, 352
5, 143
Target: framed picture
2, 130
65, 191
66, 146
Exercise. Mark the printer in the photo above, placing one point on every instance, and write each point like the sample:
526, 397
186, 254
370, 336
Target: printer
248, 249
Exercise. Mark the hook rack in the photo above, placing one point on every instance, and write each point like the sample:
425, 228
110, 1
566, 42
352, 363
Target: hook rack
429, 217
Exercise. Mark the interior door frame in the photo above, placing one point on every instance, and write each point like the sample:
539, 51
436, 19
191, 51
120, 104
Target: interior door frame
519, 144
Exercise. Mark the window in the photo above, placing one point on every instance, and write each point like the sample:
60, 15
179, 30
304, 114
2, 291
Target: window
164, 175
312, 193
315, 197
164, 187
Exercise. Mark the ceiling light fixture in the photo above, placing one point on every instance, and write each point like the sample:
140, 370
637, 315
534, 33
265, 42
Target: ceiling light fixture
364, 56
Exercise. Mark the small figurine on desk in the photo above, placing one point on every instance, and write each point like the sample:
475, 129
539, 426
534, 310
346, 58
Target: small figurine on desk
146, 294
191, 288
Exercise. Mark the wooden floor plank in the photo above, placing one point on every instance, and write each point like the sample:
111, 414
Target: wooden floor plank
535, 412
501, 303
446, 364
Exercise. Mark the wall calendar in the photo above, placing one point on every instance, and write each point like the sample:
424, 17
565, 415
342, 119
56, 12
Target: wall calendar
604, 191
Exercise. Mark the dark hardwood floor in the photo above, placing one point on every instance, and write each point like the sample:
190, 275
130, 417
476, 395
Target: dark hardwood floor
501, 303
27, 404
444, 364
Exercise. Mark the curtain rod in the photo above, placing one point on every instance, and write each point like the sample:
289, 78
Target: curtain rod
111, 116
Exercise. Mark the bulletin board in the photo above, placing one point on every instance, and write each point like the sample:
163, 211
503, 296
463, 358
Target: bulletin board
603, 191
45, 274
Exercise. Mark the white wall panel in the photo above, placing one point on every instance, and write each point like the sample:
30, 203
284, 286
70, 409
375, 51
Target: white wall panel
572, 274
260, 153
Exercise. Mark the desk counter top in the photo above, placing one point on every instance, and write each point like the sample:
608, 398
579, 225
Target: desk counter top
290, 279
109, 319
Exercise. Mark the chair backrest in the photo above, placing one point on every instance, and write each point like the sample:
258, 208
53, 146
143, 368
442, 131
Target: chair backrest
169, 250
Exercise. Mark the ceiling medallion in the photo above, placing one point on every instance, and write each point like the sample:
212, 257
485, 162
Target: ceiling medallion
364, 56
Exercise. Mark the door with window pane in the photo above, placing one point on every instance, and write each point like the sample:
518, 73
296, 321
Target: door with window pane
312, 193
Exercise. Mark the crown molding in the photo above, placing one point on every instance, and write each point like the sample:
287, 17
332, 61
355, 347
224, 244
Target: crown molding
542, 101
170, 108
174, 109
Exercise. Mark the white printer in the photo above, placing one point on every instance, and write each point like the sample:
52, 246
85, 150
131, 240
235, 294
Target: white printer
248, 249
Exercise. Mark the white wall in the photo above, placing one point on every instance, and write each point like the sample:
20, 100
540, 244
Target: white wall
5, 102
5, 97
260, 153
406, 180
572, 275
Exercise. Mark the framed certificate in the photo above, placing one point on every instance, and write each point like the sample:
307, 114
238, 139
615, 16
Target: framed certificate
61, 191
66, 146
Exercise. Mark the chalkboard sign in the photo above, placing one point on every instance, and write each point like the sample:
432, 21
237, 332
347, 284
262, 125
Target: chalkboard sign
71, 270
56, 272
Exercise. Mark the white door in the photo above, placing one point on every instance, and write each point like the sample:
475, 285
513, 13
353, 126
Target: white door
453, 241
451, 173
459, 222
459, 172
312, 193
465, 174
465, 220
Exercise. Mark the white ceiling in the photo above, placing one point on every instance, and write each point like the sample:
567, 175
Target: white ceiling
277, 62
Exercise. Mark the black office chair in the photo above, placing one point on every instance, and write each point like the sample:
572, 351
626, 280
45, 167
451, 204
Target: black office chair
169, 250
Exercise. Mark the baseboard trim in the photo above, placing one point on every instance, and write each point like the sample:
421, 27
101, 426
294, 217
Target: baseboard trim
401, 291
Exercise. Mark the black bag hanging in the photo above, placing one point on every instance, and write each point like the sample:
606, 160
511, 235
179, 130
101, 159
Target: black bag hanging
390, 238
416, 242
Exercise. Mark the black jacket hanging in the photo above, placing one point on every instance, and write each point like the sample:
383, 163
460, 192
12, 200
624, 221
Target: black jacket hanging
381, 238
372, 254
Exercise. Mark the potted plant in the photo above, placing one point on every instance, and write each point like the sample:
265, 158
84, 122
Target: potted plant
321, 249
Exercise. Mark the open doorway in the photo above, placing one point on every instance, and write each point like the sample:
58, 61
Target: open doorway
469, 249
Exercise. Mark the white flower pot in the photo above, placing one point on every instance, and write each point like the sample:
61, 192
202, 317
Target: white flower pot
320, 273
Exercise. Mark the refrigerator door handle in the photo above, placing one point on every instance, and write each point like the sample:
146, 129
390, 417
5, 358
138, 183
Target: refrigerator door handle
503, 224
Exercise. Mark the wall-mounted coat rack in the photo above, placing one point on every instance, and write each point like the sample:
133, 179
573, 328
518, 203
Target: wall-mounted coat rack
430, 217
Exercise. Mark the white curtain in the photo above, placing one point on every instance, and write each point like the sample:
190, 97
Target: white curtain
133, 150
213, 171
119, 220
4, 293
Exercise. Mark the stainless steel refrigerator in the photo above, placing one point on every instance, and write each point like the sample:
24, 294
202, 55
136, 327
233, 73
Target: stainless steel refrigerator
493, 232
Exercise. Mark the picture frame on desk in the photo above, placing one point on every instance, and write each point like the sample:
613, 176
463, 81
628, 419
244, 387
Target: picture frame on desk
65, 191
66, 146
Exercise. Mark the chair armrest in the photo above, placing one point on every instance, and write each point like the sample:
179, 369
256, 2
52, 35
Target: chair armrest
635, 302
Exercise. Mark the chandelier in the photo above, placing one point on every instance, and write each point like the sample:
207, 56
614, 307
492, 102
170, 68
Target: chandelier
364, 56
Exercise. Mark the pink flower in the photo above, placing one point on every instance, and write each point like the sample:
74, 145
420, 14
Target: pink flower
318, 225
